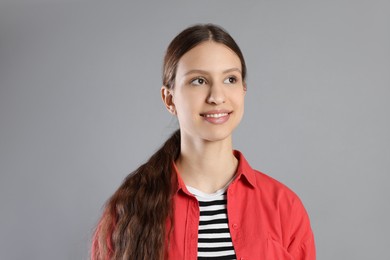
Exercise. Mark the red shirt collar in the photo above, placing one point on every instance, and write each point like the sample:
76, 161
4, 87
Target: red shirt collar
244, 170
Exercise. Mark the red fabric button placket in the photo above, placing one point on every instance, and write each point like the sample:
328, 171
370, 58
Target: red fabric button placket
194, 227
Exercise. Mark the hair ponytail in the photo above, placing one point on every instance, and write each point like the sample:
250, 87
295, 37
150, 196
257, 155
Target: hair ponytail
133, 225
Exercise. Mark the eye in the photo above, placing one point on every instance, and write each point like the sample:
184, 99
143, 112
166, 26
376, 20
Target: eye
198, 81
230, 80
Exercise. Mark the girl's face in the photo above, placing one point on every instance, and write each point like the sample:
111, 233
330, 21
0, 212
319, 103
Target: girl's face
208, 95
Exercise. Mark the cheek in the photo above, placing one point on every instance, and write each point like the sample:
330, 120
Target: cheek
239, 102
239, 99
190, 100
185, 107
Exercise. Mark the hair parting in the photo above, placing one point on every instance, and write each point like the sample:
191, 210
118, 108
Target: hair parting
188, 39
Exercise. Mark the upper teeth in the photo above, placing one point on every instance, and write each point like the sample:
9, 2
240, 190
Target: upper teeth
216, 115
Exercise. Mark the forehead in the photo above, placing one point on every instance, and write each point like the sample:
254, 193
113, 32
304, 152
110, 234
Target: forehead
208, 56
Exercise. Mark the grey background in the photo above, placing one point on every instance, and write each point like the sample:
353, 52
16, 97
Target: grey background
80, 108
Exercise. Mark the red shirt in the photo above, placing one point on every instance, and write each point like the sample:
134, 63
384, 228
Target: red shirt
266, 219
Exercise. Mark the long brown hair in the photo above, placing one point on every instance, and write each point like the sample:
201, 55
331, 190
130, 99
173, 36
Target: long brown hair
134, 221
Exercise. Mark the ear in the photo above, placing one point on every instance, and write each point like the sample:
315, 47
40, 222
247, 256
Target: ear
245, 88
167, 98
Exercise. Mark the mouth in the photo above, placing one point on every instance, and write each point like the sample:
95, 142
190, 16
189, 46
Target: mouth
216, 115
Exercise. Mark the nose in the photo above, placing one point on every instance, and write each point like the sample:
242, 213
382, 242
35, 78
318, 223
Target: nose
216, 95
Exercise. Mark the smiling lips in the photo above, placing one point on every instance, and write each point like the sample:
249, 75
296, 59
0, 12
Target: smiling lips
217, 117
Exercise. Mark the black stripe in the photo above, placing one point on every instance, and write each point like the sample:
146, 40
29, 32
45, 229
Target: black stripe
226, 257
215, 249
213, 221
214, 231
215, 240
213, 212
211, 203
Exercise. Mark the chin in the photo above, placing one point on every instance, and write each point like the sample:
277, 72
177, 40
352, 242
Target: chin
215, 136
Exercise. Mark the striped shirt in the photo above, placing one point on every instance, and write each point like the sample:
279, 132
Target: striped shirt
214, 240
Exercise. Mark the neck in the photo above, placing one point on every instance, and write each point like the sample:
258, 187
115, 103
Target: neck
206, 166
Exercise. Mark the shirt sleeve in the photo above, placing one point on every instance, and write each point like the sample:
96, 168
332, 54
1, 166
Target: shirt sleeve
302, 245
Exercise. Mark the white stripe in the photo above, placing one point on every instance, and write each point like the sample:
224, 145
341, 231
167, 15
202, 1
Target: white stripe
218, 235
209, 254
214, 207
211, 245
218, 216
213, 226
203, 199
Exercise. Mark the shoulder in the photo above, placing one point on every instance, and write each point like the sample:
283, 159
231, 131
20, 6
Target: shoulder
283, 210
262, 182
269, 191
278, 195
268, 184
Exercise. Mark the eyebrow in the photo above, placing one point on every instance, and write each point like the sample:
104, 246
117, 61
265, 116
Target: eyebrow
205, 72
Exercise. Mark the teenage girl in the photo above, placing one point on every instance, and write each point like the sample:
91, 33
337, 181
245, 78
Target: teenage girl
196, 197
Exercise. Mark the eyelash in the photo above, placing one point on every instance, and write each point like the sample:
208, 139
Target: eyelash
233, 78
196, 80
193, 81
